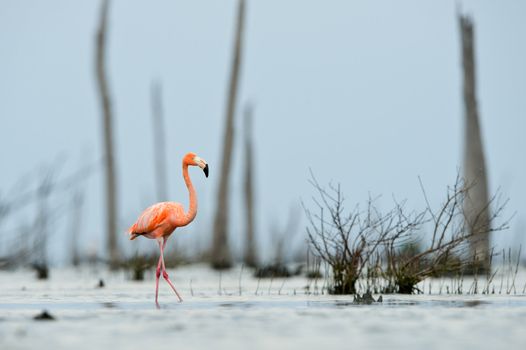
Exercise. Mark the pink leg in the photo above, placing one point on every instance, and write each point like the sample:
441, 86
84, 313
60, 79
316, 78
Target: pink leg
165, 274
157, 275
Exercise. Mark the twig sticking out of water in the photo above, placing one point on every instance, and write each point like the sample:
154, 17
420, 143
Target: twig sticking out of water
474, 286
502, 274
219, 289
489, 275
516, 270
257, 287
281, 287
240, 274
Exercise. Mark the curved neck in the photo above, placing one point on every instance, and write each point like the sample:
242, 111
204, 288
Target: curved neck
192, 208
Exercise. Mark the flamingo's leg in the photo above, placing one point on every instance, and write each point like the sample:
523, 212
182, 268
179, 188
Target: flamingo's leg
157, 275
165, 274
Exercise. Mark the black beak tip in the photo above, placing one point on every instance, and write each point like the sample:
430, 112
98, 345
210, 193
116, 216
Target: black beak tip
205, 169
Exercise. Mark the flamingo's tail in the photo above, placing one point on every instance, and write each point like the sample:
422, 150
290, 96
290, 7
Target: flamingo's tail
131, 233
133, 236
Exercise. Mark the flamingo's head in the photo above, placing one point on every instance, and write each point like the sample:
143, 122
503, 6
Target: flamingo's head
192, 159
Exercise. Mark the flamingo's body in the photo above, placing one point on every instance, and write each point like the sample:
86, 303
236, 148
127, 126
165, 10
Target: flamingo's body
160, 220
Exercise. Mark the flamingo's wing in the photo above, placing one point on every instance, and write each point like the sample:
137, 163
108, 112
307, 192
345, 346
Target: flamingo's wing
150, 219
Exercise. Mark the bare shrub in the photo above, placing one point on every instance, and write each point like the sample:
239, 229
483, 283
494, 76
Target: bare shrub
369, 245
448, 251
346, 241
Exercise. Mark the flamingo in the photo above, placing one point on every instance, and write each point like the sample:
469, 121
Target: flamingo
160, 220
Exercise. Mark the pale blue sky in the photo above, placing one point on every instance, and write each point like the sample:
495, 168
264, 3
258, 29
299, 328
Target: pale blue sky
366, 93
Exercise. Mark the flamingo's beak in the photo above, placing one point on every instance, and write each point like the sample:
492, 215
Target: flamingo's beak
202, 164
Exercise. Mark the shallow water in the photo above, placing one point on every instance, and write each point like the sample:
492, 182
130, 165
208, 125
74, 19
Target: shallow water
235, 311
232, 303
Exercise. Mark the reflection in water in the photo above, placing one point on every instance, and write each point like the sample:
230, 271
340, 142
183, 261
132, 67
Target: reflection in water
109, 305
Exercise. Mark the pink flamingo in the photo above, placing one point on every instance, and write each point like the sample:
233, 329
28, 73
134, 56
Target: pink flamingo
160, 220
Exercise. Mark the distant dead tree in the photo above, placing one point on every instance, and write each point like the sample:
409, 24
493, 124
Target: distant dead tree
77, 203
250, 257
159, 144
283, 248
475, 205
220, 252
40, 260
4, 210
283, 236
107, 129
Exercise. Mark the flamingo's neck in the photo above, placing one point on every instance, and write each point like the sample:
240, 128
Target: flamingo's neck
192, 209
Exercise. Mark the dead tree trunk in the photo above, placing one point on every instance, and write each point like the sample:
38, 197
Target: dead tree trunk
107, 130
159, 142
476, 203
250, 257
76, 226
220, 252
42, 226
